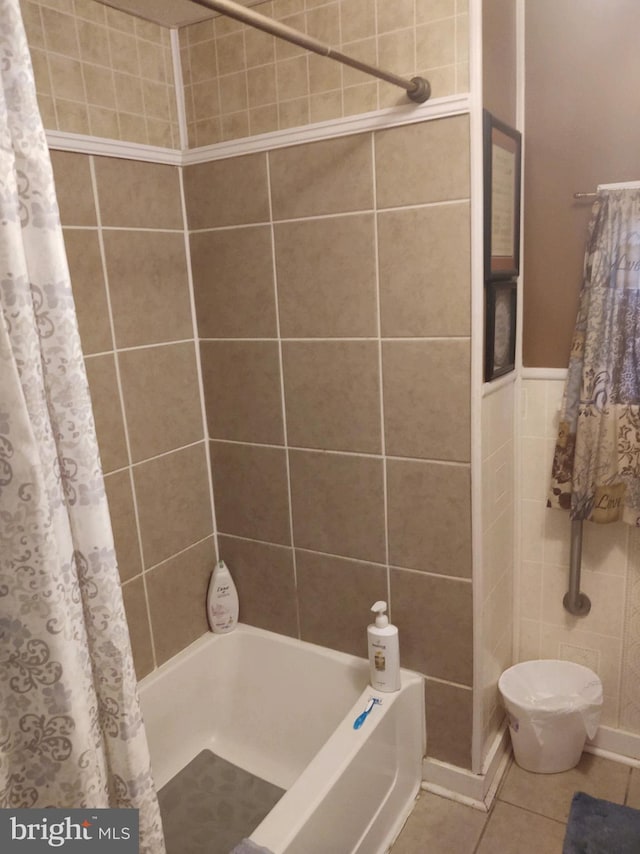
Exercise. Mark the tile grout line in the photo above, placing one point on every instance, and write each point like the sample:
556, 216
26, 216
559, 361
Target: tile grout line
285, 435
136, 513
199, 374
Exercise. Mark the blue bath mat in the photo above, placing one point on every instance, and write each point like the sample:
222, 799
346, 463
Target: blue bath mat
601, 827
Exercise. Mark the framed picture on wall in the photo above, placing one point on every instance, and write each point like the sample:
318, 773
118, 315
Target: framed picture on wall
500, 328
502, 151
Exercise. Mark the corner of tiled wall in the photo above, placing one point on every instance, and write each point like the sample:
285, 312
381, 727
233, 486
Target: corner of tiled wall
336, 367
102, 72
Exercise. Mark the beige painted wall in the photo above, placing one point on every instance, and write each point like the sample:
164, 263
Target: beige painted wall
499, 65
582, 129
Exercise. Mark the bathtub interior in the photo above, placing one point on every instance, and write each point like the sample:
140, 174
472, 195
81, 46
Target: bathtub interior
283, 710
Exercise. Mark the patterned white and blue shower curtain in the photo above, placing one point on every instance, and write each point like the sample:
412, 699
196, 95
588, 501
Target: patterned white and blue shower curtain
71, 731
596, 465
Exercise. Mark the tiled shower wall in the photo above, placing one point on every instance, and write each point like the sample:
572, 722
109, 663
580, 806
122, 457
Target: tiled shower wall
125, 241
240, 82
332, 287
608, 638
101, 72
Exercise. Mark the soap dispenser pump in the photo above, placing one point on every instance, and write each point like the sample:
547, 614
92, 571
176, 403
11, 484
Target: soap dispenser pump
384, 651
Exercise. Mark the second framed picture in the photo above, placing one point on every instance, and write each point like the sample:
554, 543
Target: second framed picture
502, 154
500, 329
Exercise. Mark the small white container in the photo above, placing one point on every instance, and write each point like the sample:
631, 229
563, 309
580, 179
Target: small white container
222, 600
552, 707
384, 651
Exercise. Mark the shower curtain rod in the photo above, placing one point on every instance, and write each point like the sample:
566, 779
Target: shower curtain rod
418, 89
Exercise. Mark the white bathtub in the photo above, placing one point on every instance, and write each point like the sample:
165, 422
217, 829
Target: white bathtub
284, 710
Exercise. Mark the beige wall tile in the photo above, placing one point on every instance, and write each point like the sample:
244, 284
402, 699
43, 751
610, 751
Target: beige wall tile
90, 10
242, 389
287, 50
233, 283
292, 78
435, 620
322, 177
325, 106
206, 101
235, 125
231, 56
124, 53
233, 92
263, 119
103, 122
123, 523
161, 399
436, 43
293, 113
89, 294
32, 23
263, 575
409, 162
326, 277
148, 286
449, 723
128, 91
133, 128
227, 192
338, 504
41, 73
60, 32
430, 10
94, 43
261, 85
250, 485
396, 50
335, 595
430, 516
177, 591
357, 20
99, 86
323, 23
172, 493
72, 116
332, 395
360, 99
135, 605
101, 372
260, 47
133, 194
425, 271
324, 74
73, 188
427, 399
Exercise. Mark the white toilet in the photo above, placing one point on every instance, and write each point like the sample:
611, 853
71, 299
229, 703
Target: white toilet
553, 707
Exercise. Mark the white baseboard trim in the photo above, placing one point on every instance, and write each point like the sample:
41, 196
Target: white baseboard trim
459, 784
83, 144
543, 373
616, 744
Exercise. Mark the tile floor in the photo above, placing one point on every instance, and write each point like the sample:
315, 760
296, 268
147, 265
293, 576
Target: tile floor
527, 817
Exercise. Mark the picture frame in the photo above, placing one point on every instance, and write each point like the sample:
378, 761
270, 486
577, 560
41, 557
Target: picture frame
500, 328
502, 166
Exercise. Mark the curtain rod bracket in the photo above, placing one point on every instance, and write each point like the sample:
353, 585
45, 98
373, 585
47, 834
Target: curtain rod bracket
421, 91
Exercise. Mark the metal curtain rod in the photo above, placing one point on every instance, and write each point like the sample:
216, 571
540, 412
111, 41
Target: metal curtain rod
418, 89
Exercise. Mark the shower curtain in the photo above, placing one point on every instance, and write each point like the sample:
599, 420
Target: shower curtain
596, 465
71, 732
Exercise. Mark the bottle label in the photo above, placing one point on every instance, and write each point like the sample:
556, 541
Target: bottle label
379, 660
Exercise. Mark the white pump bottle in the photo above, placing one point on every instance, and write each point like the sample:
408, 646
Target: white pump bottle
222, 600
384, 651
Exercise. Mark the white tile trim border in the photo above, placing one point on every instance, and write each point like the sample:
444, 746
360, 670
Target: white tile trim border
543, 373
439, 108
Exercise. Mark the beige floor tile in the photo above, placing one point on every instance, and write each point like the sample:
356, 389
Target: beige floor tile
516, 831
633, 797
550, 794
440, 826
